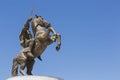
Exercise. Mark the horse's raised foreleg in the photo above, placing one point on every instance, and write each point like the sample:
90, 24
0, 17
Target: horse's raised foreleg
55, 35
59, 42
52, 30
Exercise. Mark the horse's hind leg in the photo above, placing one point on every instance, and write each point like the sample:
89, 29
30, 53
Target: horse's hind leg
22, 67
29, 65
15, 67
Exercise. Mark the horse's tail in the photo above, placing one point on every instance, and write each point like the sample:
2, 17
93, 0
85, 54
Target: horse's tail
15, 67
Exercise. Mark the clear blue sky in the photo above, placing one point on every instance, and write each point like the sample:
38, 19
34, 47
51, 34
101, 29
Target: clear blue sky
90, 32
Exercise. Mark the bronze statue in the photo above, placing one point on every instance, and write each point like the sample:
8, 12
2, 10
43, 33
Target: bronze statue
34, 47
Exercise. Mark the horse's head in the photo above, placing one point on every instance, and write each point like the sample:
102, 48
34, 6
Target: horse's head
37, 16
37, 20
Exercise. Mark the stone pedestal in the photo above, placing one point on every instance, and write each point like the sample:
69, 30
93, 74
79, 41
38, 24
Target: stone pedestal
34, 78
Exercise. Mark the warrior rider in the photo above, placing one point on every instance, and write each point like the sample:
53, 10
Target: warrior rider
26, 39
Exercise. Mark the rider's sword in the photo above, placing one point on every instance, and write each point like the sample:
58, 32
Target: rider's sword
32, 11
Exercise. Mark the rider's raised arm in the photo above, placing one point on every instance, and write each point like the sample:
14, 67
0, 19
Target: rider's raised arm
29, 34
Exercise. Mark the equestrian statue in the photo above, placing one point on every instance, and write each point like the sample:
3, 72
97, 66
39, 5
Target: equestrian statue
34, 46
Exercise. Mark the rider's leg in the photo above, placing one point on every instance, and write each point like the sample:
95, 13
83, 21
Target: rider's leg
30, 44
27, 52
30, 55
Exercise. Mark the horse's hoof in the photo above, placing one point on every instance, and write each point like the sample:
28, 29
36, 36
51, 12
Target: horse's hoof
58, 48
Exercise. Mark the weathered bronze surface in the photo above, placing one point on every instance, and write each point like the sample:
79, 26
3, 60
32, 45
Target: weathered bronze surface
33, 47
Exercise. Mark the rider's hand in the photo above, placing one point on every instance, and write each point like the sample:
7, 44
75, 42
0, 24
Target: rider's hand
29, 19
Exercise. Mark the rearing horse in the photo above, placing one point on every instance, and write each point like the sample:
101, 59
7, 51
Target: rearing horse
42, 39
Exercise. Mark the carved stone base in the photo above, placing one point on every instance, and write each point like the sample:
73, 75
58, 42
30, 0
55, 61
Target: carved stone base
34, 78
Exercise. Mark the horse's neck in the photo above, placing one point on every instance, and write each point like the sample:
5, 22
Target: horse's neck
40, 28
37, 21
